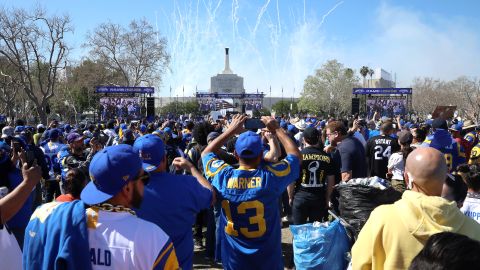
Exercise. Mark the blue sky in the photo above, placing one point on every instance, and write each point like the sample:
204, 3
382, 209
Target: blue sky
278, 43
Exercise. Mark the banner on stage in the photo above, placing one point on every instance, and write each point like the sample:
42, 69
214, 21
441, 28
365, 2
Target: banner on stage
124, 89
382, 91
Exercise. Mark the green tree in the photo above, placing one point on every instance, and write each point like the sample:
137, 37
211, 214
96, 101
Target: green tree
261, 112
364, 72
370, 73
329, 90
285, 107
177, 107
76, 93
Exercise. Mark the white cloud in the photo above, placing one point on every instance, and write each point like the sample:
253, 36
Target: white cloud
414, 44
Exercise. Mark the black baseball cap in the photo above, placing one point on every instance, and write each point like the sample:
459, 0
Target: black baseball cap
439, 123
311, 134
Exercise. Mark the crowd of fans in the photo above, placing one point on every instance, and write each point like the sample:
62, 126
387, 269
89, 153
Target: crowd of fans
139, 195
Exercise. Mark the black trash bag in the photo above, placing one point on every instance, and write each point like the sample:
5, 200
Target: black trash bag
356, 202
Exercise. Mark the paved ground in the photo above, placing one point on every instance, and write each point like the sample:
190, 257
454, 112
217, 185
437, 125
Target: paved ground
199, 261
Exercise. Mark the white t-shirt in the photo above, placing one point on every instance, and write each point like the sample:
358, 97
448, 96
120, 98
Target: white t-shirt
471, 206
397, 165
120, 240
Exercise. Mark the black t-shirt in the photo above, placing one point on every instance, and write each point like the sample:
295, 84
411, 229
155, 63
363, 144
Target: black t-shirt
316, 166
352, 157
379, 150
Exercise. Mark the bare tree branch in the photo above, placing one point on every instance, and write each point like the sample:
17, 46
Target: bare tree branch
33, 42
134, 51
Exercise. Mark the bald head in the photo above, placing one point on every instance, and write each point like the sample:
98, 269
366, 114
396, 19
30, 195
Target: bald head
427, 168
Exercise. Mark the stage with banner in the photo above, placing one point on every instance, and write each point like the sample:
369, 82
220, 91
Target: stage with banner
120, 101
388, 102
238, 102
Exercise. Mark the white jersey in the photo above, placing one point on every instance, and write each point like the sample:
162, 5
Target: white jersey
51, 150
471, 206
120, 240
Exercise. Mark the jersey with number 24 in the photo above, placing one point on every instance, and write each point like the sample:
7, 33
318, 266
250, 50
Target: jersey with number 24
250, 217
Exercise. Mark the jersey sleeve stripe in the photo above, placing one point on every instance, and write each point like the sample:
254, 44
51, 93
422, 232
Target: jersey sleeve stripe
171, 262
279, 173
460, 152
92, 218
169, 258
209, 173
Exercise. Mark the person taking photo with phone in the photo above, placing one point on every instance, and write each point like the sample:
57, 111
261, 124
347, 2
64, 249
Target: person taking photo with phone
12, 160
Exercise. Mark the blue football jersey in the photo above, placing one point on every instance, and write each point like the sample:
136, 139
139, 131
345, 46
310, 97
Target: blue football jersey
172, 201
51, 150
453, 151
250, 216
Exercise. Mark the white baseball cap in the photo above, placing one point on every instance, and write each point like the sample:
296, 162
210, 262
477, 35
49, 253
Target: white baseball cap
7, 131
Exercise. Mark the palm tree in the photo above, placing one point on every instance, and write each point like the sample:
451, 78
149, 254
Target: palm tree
364, 71
370, 72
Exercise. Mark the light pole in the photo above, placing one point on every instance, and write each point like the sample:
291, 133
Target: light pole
270, 97
176, 106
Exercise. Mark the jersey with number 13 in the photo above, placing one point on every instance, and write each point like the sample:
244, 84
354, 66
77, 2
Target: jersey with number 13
250, 214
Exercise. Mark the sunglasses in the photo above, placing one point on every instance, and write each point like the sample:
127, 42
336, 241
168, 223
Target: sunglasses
145, 178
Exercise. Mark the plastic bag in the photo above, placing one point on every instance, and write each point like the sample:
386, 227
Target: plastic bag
10, 253
357, 200
320, 247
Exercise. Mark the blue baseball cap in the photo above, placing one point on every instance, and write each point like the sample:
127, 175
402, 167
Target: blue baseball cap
110, 170
4, 146
19, 129
248, 145
87, 141
291, 128
143, 128
187, 137
53, 134
159, 134
456, 127
169, 131
151, 150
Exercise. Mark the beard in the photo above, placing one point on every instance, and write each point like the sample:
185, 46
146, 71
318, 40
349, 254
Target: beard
137, 197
